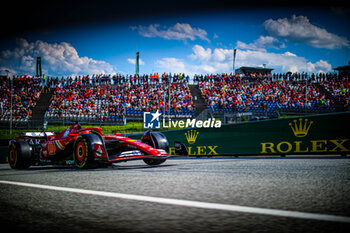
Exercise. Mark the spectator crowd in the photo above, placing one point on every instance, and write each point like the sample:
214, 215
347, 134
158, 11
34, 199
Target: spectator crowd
278, 92
111, 98
25, 94
114, 97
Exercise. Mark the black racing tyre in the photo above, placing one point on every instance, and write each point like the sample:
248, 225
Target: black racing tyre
83, 150
154, 161
20, 155
160, 142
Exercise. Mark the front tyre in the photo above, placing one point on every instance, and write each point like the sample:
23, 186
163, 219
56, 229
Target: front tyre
158, 141
20, 155
152, 162
83, 151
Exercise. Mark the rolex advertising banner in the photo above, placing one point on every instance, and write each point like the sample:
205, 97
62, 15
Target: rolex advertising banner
318, 134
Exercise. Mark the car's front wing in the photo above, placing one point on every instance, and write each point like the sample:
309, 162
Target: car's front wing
137, 154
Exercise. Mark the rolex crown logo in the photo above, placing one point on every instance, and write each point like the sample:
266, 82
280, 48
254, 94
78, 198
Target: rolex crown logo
301, 130
191, 136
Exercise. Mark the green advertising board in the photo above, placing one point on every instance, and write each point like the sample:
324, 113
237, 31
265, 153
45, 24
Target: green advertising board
317, 134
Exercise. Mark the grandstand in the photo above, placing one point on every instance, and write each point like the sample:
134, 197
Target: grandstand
115, 99
26, 93
107, 99
266, 96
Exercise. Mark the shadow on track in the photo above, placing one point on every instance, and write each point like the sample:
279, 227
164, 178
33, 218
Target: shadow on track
135, 167
71, 168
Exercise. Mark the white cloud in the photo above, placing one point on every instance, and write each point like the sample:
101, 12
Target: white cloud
280, 62
262, 43
199, 53
133, 61
319, 66
219, 60
170, 64
57, 58
289, 54
220, 54
206, 68
299, 29
175, 65
180, 31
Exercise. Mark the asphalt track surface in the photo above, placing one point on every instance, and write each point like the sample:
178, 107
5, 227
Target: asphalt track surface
183, 195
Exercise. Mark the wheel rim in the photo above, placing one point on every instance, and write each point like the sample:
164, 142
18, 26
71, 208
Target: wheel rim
80, 152
13, 156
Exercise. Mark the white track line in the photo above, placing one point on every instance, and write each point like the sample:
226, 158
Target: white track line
194, 204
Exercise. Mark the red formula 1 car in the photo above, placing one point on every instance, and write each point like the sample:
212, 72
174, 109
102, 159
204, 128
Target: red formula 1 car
87, 148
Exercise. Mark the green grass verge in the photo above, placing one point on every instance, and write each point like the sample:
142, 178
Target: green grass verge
130, 127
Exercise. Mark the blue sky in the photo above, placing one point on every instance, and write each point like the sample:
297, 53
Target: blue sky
297, 40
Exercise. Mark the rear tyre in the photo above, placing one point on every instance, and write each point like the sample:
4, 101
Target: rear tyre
20, 155
83, 151
159, 141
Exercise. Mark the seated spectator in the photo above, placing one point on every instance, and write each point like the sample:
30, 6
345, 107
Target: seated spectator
117, 96
258, 93
25, 95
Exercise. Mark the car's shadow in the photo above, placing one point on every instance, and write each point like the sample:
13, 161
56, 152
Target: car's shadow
71, 168
133, 167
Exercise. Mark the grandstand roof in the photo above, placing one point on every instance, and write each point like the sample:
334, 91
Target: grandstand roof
343, 69
247, 69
